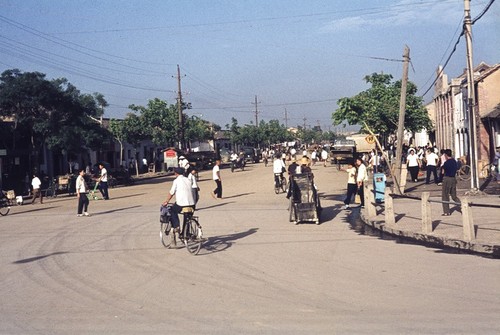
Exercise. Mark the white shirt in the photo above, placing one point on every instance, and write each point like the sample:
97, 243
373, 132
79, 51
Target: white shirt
432, 159
215, 171
324, 155
352, 175
192, 179
104, 174
362, 176
181, 187
184, 163
81, 186
412, 160
35, 182
278, 166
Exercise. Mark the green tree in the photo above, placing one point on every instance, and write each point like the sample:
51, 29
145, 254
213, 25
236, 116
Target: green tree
160, 122
51, 113
378, 106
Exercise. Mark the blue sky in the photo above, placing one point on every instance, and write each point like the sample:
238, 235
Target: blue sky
301, 56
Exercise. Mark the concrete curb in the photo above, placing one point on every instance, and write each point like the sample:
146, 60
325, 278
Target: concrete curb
492, 250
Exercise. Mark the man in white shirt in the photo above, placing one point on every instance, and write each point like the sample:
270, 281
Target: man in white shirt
35, 183
217, 193
431, 159
278, 169
184, 163
103, 182
181, 188
361, 178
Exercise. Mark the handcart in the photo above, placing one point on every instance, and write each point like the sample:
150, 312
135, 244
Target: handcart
304, 201
94, 194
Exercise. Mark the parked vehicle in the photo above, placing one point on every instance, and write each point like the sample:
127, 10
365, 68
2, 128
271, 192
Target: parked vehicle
251, 154
202, 159
343, 152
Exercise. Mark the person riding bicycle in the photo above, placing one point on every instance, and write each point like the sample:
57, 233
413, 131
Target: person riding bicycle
182, 189
278, 169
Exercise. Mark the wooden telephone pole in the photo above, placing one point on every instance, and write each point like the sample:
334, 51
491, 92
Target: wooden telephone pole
179, 108
401, 123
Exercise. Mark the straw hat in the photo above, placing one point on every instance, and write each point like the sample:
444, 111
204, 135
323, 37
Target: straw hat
304, 161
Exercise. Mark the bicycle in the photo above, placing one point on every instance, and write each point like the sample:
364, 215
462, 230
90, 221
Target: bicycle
489, 171
51, 190
191, 235
4, 204
464, 172
281, 183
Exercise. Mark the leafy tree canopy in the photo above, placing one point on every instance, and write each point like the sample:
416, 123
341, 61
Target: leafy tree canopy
378, 106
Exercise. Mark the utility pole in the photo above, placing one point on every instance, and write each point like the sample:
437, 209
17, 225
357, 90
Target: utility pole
286, 119
256, 112
401, 123
305, 119
471, 100
179, 108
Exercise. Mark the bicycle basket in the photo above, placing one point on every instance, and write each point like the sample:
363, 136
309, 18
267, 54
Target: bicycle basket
165, 213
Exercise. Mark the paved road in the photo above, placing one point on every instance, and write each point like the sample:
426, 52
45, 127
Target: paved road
259, 274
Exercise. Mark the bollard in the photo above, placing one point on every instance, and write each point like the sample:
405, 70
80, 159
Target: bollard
468, 223
390, 219
426, 213
370, 200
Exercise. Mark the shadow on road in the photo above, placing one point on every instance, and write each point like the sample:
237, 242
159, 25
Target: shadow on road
116, 210
35, 210
239, 195
220, 243
37, 258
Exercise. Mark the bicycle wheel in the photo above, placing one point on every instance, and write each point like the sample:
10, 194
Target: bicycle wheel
283, 184
167, 235
464, 172
4, 208
192, 236
486, 171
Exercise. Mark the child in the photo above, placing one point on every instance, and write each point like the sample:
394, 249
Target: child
352, 186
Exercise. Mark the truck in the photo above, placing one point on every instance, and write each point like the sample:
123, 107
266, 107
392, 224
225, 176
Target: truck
343, 152
363, 143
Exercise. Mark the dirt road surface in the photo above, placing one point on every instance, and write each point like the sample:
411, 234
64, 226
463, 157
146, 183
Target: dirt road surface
256, 274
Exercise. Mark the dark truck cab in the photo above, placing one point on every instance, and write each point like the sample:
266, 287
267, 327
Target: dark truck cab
343, 152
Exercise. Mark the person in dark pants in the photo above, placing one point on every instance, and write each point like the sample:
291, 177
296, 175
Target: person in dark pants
217, 193
103, 182
450, 168
361, 178
352, 186
81, 192
432, 159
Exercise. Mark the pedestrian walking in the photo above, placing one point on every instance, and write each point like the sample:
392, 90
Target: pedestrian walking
103, 182
413, 164
35, 184
194, 185
449, 187
324, 156
81, 192
217, 193
431, 166
361, 178
352, 185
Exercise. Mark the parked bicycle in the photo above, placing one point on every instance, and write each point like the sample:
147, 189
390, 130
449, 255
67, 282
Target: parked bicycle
4, 203
464, 172
191, 234
489, 171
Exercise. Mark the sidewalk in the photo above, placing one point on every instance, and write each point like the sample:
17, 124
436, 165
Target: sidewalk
447, 230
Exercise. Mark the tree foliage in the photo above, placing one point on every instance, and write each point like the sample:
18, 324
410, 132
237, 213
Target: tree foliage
52, 113
378, 106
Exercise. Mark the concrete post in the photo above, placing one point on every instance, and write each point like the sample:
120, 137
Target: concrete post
426, 213
370, 200
468, 223
390, 219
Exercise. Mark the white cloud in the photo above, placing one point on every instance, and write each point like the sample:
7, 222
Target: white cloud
403, 13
